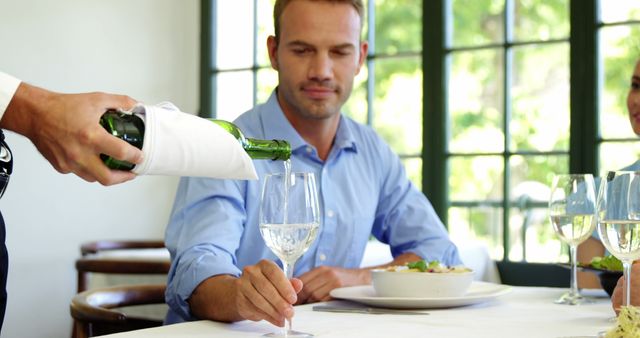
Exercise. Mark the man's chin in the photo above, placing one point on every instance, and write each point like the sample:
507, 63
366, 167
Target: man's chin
320, 114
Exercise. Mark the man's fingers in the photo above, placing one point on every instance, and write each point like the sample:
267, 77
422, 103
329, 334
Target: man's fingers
260, 284
119, 149
255, 307
262, 299
273, 273
110, 101
96, 170
297, 284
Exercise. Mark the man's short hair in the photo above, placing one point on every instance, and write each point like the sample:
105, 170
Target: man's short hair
281, 4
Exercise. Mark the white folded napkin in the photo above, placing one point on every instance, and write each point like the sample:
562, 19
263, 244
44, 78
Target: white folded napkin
181, 144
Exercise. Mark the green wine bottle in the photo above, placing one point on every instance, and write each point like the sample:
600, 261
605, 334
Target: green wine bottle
130, 127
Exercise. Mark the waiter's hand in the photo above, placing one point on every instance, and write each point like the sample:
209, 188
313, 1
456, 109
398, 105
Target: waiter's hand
65, 128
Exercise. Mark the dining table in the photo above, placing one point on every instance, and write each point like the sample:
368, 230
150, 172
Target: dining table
516, 311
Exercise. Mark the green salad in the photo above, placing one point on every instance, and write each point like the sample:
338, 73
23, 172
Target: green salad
427, 266
606, 263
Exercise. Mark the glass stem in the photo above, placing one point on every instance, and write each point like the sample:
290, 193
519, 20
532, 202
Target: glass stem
574, 273
288, 271
627, 282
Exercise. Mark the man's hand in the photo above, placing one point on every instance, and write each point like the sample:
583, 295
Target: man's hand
319, 282
261, 292
618, 296
65, 128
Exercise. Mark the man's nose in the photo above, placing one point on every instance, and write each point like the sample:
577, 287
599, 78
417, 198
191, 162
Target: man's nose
321, 67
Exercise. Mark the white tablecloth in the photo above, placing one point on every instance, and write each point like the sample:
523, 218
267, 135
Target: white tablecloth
525, 312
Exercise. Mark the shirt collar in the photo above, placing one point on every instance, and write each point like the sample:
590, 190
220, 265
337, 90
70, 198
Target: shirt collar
277, 126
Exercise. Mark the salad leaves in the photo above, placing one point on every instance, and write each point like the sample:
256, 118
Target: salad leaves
606, 263
423, 265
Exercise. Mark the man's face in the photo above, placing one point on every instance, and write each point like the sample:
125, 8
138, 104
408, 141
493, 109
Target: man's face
633, 100
317, 57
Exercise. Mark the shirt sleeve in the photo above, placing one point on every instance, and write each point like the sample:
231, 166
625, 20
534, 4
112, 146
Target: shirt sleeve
8, 87
406, 220
202, 236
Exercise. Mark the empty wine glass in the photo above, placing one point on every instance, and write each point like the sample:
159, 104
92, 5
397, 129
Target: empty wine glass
572, 209
289, 223
619, 219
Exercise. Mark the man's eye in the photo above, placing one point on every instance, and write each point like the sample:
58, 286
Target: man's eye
635, 85
301, 50
341, 52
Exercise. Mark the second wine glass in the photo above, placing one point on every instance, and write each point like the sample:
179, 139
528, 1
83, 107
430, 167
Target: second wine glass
619, 219
572, 210
289, 222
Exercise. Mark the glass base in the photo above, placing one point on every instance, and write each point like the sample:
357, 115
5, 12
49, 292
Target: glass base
288, 334
573, 299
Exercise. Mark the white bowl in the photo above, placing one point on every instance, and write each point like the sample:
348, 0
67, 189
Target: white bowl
421, 284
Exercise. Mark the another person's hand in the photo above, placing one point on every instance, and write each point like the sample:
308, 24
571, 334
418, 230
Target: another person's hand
319, 282
618, 296
263, 292
65, 128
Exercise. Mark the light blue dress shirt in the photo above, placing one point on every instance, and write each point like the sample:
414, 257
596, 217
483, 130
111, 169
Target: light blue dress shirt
363, 191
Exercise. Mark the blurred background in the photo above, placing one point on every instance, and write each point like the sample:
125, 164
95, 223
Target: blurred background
483, 99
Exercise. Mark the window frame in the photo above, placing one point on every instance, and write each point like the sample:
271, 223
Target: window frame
585, 90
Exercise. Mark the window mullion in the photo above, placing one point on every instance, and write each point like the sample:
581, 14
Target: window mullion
506, 102
585, 87
254, 72
435, 126
208, 43
371, 64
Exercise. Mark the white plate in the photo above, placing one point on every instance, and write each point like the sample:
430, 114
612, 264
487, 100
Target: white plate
365, 294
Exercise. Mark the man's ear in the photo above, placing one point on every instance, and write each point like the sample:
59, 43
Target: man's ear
272, 47
364, 48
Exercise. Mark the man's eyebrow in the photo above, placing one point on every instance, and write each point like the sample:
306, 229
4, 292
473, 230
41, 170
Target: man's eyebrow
345, 45
635, 78
300, 43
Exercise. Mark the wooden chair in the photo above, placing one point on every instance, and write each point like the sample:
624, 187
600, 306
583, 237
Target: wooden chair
97, 246
93, 310
90, 263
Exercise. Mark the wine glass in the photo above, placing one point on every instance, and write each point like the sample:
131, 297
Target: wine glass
572, 209
289, 222
619, 219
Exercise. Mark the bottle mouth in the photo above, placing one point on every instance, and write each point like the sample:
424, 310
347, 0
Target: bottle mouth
285, 150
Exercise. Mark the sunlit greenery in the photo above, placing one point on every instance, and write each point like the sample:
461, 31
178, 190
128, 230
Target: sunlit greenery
484, 134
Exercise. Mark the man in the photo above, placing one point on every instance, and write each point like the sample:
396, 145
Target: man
221, 268
66, 131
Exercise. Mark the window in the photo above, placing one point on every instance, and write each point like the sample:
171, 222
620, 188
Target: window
619, 32
508, 113
484, 100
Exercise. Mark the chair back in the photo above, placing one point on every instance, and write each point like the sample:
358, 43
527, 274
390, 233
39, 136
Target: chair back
94, 311
95, 260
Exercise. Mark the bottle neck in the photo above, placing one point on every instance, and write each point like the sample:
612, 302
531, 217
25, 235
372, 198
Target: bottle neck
276, 150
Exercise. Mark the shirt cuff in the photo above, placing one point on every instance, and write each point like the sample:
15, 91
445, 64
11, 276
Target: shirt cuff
189, 273
8, 87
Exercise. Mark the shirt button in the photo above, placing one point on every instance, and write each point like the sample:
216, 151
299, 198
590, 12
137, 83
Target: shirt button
309, 150
330, 213
323, 257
